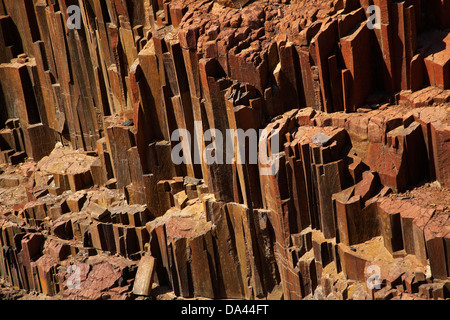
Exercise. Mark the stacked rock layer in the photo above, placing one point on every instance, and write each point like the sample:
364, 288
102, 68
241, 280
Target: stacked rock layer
94, 207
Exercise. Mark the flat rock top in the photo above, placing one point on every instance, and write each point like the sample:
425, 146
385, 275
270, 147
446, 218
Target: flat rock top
66, 161
439, 46
308, 134
430, 195
187, 223
439, 114
374, 251
428, 205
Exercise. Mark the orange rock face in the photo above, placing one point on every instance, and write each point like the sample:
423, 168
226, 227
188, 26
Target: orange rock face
94, 206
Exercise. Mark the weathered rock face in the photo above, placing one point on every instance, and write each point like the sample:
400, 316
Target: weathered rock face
94, 206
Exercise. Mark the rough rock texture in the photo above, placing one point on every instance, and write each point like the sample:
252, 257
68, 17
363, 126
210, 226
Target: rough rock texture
93, 206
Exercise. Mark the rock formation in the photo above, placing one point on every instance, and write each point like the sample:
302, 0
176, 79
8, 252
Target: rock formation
94, 207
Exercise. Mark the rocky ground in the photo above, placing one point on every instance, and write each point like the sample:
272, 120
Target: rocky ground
94, 207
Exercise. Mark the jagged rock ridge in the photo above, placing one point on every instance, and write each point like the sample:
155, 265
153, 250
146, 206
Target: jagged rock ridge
109, 200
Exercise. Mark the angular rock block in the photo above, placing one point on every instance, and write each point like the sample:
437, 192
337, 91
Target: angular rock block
144, 276
356, 131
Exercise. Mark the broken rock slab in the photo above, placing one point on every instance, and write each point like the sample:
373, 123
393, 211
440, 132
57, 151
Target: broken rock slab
70, 166
144, 276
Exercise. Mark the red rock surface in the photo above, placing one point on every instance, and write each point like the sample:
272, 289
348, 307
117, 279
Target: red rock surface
89, 191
